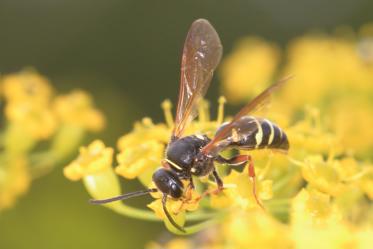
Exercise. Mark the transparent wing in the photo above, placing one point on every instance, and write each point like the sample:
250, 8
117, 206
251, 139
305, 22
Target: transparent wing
201, 55
243, 127
252, 106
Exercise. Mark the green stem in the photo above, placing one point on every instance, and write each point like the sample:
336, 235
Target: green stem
278, 185
132, 212
201, 215
201, 226
142, 214
278, 202
42, 163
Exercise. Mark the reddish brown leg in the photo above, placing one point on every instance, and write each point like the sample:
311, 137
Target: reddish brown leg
240, 160
189, 189
216, 191
188, 194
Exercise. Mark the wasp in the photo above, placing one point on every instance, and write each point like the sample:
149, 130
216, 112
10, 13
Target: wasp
195, 155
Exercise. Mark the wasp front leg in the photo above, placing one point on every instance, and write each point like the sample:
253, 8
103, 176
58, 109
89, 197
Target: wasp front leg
189, 189
241, 160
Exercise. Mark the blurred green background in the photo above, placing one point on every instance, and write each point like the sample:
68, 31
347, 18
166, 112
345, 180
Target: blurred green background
127, 54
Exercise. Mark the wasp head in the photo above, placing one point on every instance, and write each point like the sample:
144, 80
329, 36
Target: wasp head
168, 183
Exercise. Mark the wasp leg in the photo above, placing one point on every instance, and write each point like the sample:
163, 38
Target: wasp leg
241, 160
190, 189
188, 194
218, 181
191, 183
216, 191
169, 217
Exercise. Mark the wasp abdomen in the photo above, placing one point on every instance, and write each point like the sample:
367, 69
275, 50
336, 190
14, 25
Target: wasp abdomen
251, 133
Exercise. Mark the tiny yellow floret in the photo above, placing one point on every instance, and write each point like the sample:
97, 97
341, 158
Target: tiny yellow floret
92, 159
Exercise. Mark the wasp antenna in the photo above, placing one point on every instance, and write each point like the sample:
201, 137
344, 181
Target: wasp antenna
169, 217
123, 197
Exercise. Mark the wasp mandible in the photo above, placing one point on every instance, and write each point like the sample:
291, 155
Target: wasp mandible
194, 155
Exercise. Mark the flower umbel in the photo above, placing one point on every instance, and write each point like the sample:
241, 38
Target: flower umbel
318, 195
28, 119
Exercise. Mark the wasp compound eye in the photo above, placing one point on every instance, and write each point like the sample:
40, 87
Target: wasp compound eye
176, 191
168, 183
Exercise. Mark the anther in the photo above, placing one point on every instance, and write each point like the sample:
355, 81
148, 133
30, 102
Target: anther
222, 100
203, 111
167, 106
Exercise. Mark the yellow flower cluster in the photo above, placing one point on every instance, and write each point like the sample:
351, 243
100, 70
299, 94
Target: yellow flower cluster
252, 55
14, 181
331, 72
28, 96
318, 195
32, 113
140, 154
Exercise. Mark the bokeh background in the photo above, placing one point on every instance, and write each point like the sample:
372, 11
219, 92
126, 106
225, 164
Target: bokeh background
127, 55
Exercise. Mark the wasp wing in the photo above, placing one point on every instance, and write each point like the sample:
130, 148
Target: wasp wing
220, 139
201, 55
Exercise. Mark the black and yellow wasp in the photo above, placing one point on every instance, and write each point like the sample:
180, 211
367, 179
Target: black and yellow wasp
194, 155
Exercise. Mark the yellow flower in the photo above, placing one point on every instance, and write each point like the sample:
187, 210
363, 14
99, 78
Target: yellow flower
251, 65
310, 136
137, 160
239, 191
176, 208
254, 230
317, 62
143, 131
351, 119
14, 180
92, 159
28, 118
142, 150
316, 223
173, 244
27, 96
364, 238
322, 175
366, 182
36, 119
77, 109
26, 86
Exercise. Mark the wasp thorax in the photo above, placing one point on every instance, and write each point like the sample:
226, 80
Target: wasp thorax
202, 165
183, 151
168, 183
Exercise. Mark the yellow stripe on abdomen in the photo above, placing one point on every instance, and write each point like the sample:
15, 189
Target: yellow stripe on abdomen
272, 132
259, 134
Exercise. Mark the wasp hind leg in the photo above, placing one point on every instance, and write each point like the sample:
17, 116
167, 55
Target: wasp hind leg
218, 181
241, 160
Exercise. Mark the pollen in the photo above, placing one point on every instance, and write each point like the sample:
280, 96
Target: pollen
167, 107
220, 118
